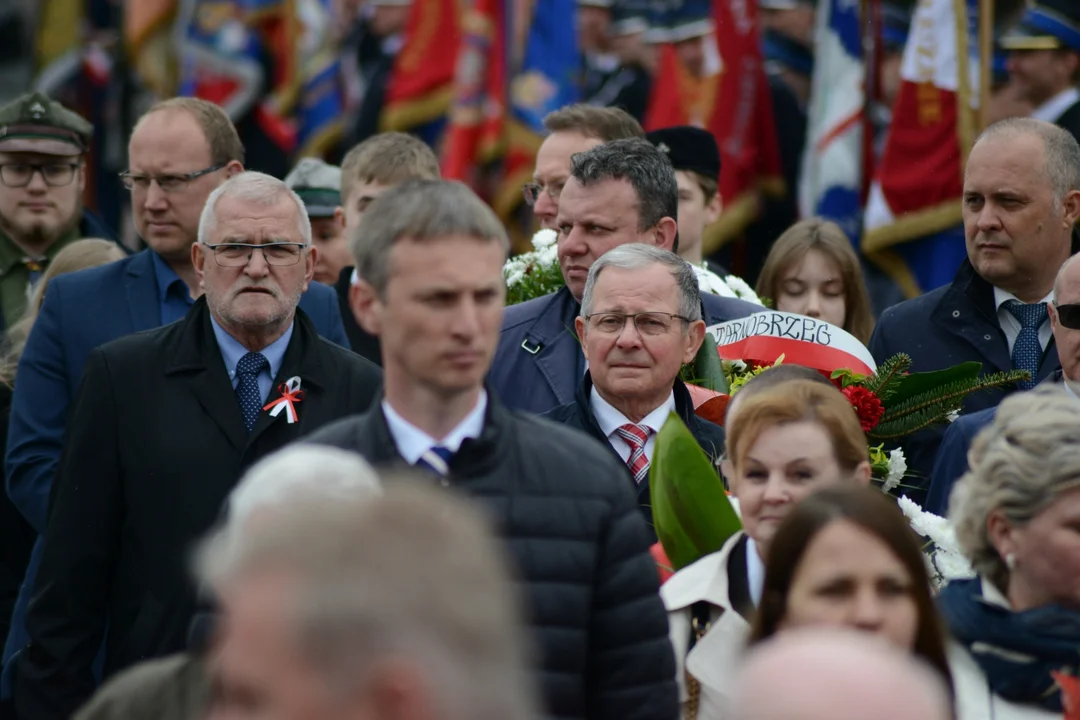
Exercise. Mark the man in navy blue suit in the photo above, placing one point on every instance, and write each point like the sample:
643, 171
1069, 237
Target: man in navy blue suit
1021, 202
179, 152
1064, 314
620, 192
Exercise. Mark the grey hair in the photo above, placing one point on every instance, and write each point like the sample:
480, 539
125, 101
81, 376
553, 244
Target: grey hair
254, 187
1019, 465
1060, 147
1061, 276
634, 256
638, 161
421, 210
415, 575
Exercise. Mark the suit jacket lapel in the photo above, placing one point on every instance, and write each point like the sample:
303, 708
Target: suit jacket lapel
140, 286
555, 347
196, 355
967, 311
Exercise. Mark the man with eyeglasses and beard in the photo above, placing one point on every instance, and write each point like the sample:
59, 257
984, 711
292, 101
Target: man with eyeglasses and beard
43, 148
1064, 315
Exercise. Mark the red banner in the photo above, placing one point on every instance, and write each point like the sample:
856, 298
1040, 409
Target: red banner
420, 88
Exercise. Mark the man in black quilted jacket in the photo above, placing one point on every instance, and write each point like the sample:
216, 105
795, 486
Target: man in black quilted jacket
431, 288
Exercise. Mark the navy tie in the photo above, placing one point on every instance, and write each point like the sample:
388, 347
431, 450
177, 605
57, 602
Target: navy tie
247, 387
1027, 351
437, 460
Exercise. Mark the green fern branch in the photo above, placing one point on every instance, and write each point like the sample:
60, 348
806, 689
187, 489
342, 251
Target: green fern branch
880, 382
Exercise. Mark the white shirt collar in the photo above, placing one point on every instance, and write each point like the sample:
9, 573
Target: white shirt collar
1056, 106
609, 419
755, 571
412, 442
1003, 296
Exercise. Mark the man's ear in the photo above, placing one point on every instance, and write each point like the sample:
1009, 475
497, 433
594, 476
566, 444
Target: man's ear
579, 326
1070, 205
198, 259
695, 335
233, 168
713, 208
665, 233
339, 217
366, 306
312, 258
1052, 311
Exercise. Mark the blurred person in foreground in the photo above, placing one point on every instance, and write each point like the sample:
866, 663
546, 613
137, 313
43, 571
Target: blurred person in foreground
368, 170
1044, 61
394, 607
1017, 518
319, 186
429, 259
179, 687
43, 148
618, 193
163, 426
847, 558
830, 674
783, 444
17, 536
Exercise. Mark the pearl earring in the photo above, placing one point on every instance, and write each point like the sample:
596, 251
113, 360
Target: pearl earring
1010, 561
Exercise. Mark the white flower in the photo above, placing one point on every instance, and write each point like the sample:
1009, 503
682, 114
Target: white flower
710, 282
952, 565
952, 416
544, 238
742, 289
945, 559
897, 470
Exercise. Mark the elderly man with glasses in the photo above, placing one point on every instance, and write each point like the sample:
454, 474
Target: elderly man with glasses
640, 322
179, 152
164, 424
43, 147
1064, 314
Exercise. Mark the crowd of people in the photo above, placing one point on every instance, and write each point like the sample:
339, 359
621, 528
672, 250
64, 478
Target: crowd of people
296, 458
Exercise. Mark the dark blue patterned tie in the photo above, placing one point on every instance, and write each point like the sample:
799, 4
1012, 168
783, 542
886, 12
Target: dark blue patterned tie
437, 460
247, 387
1027, 352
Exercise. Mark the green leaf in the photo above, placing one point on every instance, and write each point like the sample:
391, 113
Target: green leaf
691, 512
708, 371
915, 384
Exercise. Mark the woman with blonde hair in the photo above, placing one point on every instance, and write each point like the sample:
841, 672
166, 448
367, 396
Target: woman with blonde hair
1017, 518
813, 270
17, 537
790, 440
79, 255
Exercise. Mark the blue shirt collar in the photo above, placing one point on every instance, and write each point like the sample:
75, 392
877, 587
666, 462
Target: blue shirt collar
232, 350
167, 279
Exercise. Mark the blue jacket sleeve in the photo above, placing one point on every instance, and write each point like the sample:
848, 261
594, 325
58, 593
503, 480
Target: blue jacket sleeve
950, 464
327, 320
38, 415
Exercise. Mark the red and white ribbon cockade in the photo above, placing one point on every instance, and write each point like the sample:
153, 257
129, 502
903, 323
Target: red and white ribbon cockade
290, 395
763, 337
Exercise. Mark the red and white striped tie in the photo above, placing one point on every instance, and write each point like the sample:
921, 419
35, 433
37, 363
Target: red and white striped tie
636, 436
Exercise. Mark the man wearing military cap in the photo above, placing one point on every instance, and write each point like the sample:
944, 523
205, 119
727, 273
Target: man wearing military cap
319, 186
1044, 61
696, 158
42, 176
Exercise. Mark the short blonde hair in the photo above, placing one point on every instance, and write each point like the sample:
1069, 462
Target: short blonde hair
800, 401
1019, 465
388, 158
219, 131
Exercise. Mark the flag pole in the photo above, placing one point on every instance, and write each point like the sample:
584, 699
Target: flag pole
986, 59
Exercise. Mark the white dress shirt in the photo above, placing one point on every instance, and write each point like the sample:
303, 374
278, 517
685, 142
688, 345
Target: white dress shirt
609, 419
412, 442
1056, 106
755, 571
1011, 326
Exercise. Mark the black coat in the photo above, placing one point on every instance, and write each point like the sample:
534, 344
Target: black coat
570, 523
16, 535
579, 415
945, 327
155, 443
362, 342
1070, 120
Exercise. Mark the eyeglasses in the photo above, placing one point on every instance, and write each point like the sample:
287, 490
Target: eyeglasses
649, 324
531, 192
1068, 316
167, 183
19, 175
278, 254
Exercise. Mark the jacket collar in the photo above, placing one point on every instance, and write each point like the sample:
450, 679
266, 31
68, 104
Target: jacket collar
684, 404
705, 580
553, 341
193, 351
967, 310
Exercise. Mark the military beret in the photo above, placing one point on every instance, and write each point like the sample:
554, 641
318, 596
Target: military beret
318, 185
36, 123
689, 148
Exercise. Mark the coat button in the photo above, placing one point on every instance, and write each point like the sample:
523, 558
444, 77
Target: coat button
956, 313
986, 337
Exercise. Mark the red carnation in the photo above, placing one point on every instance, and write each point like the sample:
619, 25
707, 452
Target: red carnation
867, 406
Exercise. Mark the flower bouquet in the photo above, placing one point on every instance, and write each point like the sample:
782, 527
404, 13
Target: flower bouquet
537, 273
